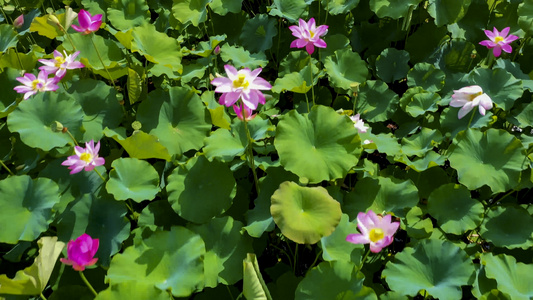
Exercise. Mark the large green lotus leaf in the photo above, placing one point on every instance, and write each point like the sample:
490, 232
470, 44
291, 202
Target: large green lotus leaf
112, 56
422, 43
335, 42
289, 9
258, 32
201, 190
304, 214
34, 279
376, 102
345, 68
417, 225
132, 290
100, 106
296, 61
339, 7
451, 124
253, 286
438, 267
513, 278
18, 61
168, 260
508, 227
501, 86
454, 56
514, 69
225, 247
428, 180
26, 207
126, 14
392, 64
292, 82
431, 159
194, 11
132, 178
416, 101
241, 58
259, 218
35, 120
525, 16
100, 216
8, 101
392, 8
381, 194
225, 144
340, 279
422, 142
387, 143
140, 145
455, 210
335, 247
157, 47
447, 11
222, 7
496, 154
44, 28
177, 117
159, 213
321, 145
427, 76
8, 37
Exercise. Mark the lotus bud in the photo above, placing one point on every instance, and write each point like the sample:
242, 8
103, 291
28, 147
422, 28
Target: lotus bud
18, 22
70, 16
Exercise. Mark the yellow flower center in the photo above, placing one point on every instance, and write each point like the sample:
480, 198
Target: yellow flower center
59, 61
35, 83
376, 234
86, 157
473, 96
498, 39
311, 33
241, 82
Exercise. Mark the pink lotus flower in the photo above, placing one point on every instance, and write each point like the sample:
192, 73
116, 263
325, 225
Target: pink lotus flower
359, 124
499, 41
375, 230
469, 97
247, 112
88, 23
18, 22
32, 85
85, 158
243, 84
59, 64
308, 35
81, 251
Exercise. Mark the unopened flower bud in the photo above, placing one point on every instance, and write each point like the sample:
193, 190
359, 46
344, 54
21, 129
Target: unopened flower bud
18, 22
217, 50
57, 126
53, 20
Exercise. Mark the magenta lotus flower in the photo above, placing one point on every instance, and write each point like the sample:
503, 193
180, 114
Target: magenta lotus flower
88, 23
308, 35
84, 158
18, 22
60, 64
469, 97
499, 41
243, 84
247, 112
359, 124
32, 85
375, 230
81, 251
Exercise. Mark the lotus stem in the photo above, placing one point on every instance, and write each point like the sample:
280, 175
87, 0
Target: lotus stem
102, 61
249, 149
87, 283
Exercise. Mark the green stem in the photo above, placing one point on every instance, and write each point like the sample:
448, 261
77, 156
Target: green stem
72, 137
312, 82
307, 100
526, 40
102, 61
5, 167
295, 258
99, 174
229, 291
471, 117
249, 149
43, 297
362, 261
87, 283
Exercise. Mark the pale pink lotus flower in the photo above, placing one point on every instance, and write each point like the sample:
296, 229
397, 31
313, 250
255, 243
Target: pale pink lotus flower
88, 23
243, 84
81, 251
60, 64
32, 85
469, 97
375, 230
247, 112
84, 158
308, 35
18, 22
359, 124
499, 41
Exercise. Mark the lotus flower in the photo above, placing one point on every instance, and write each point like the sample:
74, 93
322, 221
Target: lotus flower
18, 22
499, 41
59, 64
308, 35
88, 23
32, 85
375, 230
84, 158
247, 112
359, 124
243, 84
81, 251
469, 97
